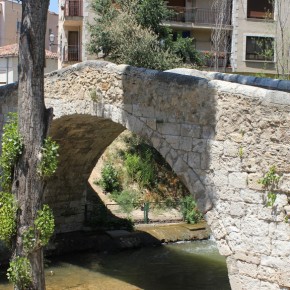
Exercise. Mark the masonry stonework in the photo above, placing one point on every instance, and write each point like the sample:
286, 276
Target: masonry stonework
219, 137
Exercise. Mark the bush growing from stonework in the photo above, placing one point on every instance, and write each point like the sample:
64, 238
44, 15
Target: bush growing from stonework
131, 32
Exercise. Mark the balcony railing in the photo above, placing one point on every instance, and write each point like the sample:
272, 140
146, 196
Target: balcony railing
71, 53
198, 16
73, 8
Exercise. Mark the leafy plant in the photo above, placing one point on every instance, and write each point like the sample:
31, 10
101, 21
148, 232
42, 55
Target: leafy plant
110, 179
132, 165
184, 49
271, 198
127, 199
11, 149
134, 34
241, 152
42, 231
44, 224
19, 272
189, 210
29, 240
8, 209
49, 162
269, 182
140, 169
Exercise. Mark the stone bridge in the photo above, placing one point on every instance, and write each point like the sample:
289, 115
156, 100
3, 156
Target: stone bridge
220, 137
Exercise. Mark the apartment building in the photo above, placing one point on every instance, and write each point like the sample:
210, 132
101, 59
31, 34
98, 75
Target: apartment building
10, 19
252, 30
73, 33
261, 36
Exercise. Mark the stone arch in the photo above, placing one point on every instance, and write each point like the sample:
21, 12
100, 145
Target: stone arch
220, 137
135, 102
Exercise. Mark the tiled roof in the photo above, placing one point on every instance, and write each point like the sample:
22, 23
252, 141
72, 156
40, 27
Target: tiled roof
12, 50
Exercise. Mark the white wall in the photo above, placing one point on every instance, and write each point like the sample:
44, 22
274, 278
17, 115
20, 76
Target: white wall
12, 72
7, 70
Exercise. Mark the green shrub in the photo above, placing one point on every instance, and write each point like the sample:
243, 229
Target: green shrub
141, 170
49, 162
110, 181
8, 210
184, 49
190, 211
11, 150
132, 165
127, 200
42, 231
19, 272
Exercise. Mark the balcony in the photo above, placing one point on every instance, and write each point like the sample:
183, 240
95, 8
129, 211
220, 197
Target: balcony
71, 53
73, 8
73, 12
197, 16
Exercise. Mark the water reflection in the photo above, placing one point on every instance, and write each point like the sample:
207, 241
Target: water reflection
180, 266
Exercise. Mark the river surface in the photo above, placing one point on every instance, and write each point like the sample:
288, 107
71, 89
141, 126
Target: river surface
183, 266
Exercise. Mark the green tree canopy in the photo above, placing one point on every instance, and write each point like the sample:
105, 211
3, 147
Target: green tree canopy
130, 31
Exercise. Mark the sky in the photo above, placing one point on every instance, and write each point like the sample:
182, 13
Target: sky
53, 6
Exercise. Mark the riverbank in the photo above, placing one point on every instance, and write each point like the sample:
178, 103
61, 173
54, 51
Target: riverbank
144, 235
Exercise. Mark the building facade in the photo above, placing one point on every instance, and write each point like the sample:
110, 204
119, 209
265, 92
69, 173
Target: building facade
9, 63
253, 31
73, 33
261, 36
10, 20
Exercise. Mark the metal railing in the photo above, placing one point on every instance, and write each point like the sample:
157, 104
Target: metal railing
73, 8
147, 207
198, 16
71, 53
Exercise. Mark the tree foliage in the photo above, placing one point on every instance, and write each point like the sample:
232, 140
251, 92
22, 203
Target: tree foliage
131, 32
19, 272
8, 208
190, 211
11, 149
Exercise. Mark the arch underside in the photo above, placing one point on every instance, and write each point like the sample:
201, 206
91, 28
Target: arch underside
82, 140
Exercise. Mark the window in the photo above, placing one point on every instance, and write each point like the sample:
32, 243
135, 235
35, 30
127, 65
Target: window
260, 48
261, 9
18, 25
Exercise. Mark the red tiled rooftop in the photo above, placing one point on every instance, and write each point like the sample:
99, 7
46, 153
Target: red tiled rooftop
12, 50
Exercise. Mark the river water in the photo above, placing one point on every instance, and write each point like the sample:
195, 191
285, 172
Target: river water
183, 266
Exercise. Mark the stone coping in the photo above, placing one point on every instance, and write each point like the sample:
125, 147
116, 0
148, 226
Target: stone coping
268, 90
266, 83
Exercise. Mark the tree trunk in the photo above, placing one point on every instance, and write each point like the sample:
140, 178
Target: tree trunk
28, 187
